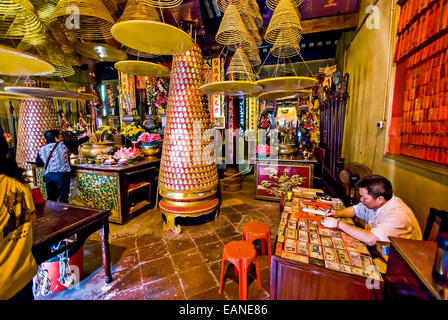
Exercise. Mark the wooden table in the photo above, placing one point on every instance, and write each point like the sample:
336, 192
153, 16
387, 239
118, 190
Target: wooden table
57, 221
409, 271
270, 175
291, 280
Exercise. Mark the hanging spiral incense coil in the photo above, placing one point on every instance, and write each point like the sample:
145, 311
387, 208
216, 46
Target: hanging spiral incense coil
17, 19
139, 10
285, 17
254, 58
111, 5
255, 13
241, 5
240, 67
163, 3
286, 46
44, 9
252, 28
272, 4
95, 20
231, 30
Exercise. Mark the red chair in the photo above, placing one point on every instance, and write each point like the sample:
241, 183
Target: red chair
241, 254
256, 230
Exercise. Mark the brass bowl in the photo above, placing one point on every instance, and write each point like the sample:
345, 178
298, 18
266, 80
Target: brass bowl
92, 150
287, 149
150, 151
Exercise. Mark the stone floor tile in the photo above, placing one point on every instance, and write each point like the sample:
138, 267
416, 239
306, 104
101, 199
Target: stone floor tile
157, 269
168, 288
153, 251
212, 252
187, 260
197, 280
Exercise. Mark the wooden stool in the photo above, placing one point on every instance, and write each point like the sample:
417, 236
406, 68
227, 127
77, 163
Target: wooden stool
241, 254
256, 230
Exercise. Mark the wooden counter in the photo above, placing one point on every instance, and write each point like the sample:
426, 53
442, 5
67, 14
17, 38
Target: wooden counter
409, 271
124, 190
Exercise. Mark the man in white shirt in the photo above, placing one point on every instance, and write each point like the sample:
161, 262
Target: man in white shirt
385, 214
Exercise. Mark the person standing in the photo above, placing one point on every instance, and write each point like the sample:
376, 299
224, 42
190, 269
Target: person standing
17, 211
54, 157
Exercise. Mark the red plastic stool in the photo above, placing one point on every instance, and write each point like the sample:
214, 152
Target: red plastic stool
241, 254
256, 230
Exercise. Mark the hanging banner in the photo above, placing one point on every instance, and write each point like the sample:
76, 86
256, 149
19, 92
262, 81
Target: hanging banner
127, 94
253, 106
217, 101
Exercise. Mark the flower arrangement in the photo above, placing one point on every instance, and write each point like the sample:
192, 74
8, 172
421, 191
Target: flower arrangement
150, 139
106, 133
133, 131
263, 150
128, 154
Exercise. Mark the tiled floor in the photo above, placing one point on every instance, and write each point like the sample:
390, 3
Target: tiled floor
149, 263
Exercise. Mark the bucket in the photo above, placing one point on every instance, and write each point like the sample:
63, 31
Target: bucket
59, 273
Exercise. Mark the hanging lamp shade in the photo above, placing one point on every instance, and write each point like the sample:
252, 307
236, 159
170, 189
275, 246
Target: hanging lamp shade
285, 17
142, 68
95, 19
163, 3
287, 45
240, 67
231, 30
252, 28
272, 4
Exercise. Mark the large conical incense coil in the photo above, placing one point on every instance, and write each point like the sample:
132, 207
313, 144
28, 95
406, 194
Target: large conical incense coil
16, 21
231, 30
121, 4
111, 5
44, 9
163, 3
239, 67
254, 58
272, 4
139, 10
95, 20
285, 17
255, 13
241, 5
252, 28
286, 45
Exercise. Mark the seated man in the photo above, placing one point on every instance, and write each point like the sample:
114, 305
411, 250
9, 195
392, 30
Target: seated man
385, 214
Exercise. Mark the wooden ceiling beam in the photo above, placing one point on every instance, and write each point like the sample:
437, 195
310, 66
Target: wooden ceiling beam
339, 22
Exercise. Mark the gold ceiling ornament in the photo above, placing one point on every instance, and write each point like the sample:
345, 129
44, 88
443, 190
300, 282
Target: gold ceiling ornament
240, 67
287, 45
284, 94
287, 83
142, 68
152, 37
99, 51
231, 30
272, 4
285, 17
94, 20
241, 5
163, 3
252, 28
15, 62
139, 10
47, 93
238, 88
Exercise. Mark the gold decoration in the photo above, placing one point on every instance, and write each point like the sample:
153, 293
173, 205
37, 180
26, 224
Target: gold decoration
99, 51
237, 88
272, 4
285, 18
231, 30
239, 67
287, 83
287, 45
95, 20
283, 94
14, 62
152, 37
142, 68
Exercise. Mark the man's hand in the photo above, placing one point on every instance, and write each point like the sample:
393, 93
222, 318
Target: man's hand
330, 213
330, 222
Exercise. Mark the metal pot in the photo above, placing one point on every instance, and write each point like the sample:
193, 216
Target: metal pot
150, 151
92, 150
287, 149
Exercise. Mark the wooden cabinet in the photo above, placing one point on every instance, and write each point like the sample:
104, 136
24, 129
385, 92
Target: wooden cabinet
409, 271
292, 280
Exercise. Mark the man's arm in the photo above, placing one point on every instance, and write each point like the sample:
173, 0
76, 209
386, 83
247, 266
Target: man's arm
73, 145
39, 161
363, 235
344, 213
